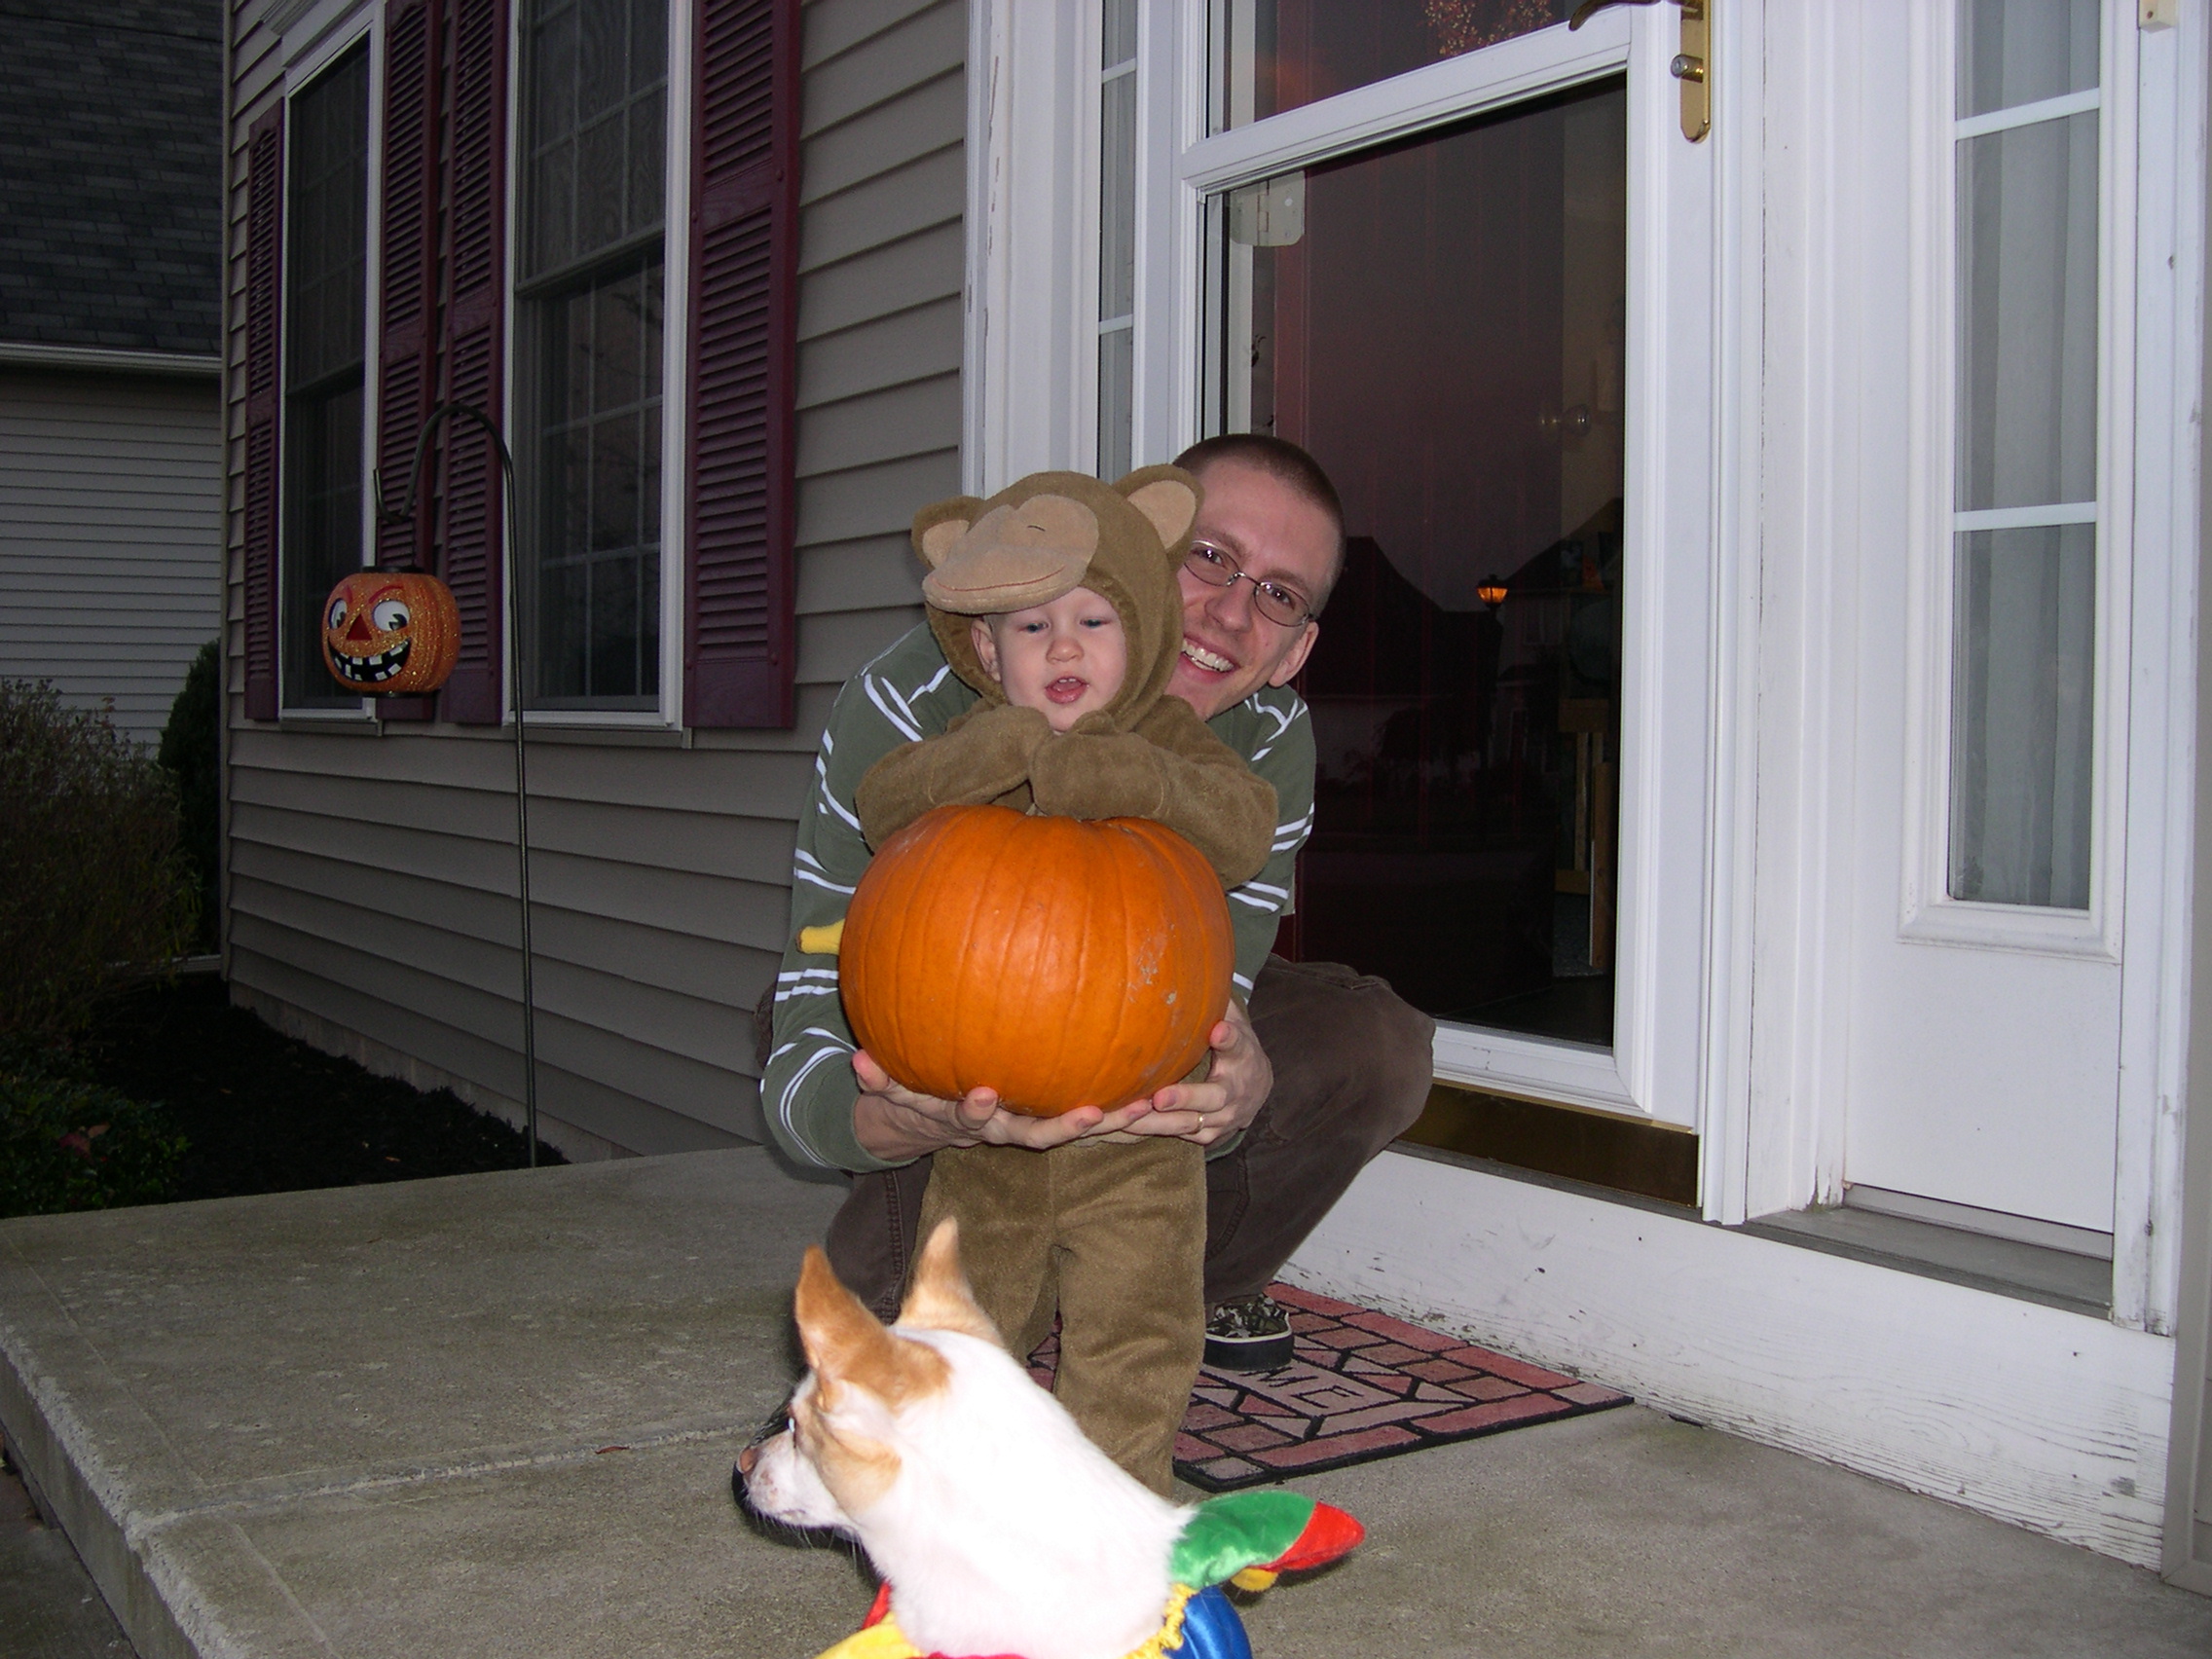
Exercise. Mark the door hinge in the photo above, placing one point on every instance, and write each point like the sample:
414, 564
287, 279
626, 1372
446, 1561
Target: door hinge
1692, 63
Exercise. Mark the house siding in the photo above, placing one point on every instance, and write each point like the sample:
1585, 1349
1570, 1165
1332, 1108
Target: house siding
371, 874
110, 518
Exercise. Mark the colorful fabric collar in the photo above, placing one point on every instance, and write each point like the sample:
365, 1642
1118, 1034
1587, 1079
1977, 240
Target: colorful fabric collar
1245, 1538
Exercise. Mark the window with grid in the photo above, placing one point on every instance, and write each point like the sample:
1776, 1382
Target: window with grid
326, 327
2024, 521
590, 289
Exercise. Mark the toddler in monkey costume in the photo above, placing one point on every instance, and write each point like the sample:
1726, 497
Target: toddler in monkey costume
1057, 601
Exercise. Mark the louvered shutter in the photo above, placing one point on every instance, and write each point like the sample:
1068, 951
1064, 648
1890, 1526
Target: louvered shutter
407, 330
738, 644
471, 503
264, 402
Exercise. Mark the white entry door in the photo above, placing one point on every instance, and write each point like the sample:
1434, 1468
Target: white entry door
2003, 595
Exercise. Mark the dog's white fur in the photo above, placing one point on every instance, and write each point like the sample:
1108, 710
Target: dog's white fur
998, 1526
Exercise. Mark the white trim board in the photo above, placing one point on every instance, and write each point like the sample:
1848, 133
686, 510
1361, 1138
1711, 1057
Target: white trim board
2053, 1421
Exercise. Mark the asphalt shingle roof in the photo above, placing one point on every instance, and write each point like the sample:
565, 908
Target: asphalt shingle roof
111, 119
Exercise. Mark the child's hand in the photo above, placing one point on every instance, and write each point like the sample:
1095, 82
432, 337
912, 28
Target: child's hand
894, 1123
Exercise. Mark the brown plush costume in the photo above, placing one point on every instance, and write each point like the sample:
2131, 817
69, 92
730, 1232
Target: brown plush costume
1111, 1235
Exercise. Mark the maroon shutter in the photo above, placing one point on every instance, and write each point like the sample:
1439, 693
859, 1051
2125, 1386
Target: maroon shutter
406, 363
264, 402
738, 629
474, 322
407, 332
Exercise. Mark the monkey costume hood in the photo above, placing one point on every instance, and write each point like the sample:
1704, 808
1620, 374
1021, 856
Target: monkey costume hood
1144, 755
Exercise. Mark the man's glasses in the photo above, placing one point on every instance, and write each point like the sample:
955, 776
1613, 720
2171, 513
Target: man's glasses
1281, 605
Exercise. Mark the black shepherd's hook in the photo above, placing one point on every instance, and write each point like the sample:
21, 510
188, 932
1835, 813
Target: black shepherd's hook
404, 513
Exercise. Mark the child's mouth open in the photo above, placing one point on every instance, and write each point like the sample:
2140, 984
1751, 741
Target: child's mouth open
1068, 690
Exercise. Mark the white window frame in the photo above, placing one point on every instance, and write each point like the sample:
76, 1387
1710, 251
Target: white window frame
313, 37
1030, 400
667, 714
1926, 910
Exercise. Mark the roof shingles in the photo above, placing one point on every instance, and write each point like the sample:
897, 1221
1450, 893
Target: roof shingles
111, 174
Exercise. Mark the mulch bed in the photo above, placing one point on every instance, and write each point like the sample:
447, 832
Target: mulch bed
265, 1114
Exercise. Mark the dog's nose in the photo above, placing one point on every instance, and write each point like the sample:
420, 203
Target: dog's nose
747, 1459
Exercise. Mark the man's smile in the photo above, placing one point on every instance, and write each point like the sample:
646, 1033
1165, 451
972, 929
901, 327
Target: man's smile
1213, 662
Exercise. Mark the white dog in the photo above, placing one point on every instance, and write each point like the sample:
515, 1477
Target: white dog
996, 1526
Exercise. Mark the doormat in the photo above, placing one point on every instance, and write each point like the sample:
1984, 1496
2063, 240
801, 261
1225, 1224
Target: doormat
1362, 1386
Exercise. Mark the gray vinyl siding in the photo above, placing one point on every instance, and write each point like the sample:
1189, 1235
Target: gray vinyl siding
110, 535
371, 877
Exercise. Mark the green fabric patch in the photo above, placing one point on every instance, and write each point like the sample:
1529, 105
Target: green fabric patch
1236, 1530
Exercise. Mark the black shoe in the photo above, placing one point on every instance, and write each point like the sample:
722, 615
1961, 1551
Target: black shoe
1249, 1333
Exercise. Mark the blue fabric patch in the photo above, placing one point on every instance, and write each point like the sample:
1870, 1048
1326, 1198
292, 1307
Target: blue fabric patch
1211, 1629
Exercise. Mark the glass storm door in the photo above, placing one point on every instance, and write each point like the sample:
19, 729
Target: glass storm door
1463, 255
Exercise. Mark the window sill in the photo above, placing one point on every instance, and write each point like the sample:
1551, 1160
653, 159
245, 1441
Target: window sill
629, 736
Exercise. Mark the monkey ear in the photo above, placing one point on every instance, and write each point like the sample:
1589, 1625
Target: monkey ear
938, 528
1167, 496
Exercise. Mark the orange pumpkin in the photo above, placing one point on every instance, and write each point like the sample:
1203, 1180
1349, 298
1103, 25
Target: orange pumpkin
390, 633
1063, 963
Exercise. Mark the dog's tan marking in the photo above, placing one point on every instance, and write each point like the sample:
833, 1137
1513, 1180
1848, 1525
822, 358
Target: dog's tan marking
848, 1346
939, 1298
857, 1470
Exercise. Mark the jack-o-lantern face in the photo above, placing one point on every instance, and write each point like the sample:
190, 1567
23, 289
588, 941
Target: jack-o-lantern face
390, 633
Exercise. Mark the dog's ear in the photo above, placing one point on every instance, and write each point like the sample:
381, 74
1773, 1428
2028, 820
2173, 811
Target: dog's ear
938, 1300
847, 1346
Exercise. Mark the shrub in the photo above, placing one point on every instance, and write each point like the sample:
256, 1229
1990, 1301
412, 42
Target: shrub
67, 1145
95, 888
190, 755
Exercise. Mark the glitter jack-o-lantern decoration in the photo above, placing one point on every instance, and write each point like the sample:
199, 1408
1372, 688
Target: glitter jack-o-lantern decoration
390, 633
1063, 963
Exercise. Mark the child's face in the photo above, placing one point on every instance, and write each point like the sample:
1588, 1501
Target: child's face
1065, 658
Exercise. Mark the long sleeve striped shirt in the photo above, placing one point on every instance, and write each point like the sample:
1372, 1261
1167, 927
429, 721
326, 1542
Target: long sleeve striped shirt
907, 694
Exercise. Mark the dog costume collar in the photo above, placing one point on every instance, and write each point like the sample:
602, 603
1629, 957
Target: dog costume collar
1245, 1538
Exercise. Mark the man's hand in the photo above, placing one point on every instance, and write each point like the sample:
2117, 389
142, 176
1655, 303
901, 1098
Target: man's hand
1230, 1098
895, 1124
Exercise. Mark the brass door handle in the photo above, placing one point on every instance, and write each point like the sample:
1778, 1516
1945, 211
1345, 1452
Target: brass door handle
1692, 64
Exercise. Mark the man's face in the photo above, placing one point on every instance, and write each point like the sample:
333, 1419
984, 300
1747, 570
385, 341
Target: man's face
1230, 650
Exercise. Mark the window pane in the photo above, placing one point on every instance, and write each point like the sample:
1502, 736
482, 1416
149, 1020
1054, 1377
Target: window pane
597, 524
2019, 52
598, 77
2022, 696
1272, 55
1117, 236
327, 209
1116, 371
1465, 396
2028, 314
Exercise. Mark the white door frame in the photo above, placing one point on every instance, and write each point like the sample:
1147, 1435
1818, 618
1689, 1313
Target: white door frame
1031, 172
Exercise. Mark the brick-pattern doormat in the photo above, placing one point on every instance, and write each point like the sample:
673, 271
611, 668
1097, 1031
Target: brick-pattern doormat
1363, 1385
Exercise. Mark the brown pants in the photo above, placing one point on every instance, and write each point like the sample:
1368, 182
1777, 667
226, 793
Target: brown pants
1351, 1064
1111, 1236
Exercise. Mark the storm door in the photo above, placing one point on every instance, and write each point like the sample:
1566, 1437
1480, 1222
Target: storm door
1457, 252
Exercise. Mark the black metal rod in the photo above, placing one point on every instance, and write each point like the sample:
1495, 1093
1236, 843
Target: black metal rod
404, 513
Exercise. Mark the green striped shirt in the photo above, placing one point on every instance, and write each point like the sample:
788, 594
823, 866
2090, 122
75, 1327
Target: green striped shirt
907, 694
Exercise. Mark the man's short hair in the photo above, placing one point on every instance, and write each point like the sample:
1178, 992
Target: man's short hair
1284, 460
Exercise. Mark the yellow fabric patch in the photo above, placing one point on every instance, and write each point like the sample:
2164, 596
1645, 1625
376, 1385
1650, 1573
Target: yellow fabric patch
882, 1641
886, 1641
823, 941
1254, 1578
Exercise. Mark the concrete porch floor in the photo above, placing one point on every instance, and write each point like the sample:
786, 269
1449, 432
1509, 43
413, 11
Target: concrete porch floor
495, 1414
